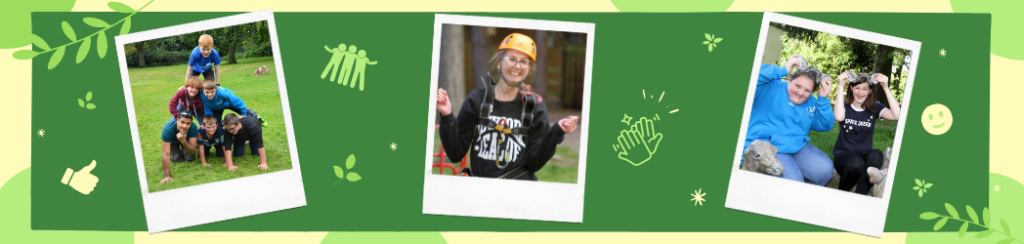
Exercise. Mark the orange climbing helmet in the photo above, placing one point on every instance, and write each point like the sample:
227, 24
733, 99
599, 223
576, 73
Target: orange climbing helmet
520, 42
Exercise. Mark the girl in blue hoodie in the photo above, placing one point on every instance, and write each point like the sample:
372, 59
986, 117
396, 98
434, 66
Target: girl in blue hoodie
783, 113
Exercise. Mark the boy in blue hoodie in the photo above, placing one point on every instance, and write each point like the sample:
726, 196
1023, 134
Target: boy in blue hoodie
217, 99
204, 60
784, 112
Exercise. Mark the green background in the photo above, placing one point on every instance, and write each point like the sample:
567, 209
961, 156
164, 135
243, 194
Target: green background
653, 52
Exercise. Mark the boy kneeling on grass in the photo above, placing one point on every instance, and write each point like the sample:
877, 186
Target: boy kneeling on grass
178, 135
211, 138
241, 129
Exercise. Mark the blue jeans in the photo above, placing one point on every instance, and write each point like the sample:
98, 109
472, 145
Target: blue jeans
808, 165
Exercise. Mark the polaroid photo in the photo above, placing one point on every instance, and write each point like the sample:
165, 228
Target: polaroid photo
503, 140
821, 135
213, 141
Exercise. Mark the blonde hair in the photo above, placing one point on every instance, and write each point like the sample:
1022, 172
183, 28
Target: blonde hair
205, 40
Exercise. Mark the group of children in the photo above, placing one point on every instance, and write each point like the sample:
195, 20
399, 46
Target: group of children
181, 137
785, 111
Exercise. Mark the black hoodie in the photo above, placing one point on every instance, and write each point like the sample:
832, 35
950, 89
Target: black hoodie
494, 154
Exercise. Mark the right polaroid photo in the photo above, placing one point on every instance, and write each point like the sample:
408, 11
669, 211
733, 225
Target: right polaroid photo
823, 123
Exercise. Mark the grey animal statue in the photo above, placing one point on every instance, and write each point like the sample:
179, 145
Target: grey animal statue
760, 157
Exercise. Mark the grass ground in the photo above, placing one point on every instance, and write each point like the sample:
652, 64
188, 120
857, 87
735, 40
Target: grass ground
152, 89
885, 135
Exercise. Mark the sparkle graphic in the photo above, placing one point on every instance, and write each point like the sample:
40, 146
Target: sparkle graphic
997, 187
41, 132
626, 119
698, 197
394, 146
942, 52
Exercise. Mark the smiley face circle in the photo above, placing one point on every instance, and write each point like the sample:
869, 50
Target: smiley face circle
936, 119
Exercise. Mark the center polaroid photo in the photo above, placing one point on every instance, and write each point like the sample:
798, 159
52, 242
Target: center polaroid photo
507, 133
209, 115
823, 123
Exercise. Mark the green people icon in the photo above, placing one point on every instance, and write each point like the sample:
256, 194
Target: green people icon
339, 54
346, 67
360, 72
638, 143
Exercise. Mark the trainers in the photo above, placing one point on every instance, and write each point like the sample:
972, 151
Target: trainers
264, 123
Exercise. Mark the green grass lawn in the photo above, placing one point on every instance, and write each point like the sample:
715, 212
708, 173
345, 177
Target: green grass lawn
563, 167
885, 135
152, 89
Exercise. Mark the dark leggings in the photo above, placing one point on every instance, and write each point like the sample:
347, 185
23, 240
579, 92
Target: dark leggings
207, 74
853, 167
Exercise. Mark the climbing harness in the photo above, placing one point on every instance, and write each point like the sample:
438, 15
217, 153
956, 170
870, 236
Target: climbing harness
500, 130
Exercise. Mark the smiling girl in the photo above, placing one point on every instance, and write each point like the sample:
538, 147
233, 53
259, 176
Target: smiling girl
857, 115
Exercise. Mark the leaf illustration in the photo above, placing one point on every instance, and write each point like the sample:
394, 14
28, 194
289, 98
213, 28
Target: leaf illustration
81, 103
94, 22
987, 216
973, 214
1006, 227
708, 36
126, 26
90, 106
938, 225
929, 216
25, 54
706, 42
714, 44
929, 185
717, 40
351, 161
101, 44
710, 48
920, 193
88, 96
1007, 241
917, 188
919, 182
55, 59
353, 177
339, 172
40, 42
952, 211
83, 51
68, 31
983, 234
963, 229
120, 7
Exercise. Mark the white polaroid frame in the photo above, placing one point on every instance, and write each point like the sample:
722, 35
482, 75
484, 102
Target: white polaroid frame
222, 200
809, 203
496, 198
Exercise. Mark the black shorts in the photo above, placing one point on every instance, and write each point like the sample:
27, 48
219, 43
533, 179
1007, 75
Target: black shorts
207, 74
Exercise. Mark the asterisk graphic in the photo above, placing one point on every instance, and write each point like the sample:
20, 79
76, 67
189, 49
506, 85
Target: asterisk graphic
942, 52
997, 187
41, 132
698, 197
394, 146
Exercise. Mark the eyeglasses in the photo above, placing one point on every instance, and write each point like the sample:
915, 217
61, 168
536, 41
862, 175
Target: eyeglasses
512, 62
232, 130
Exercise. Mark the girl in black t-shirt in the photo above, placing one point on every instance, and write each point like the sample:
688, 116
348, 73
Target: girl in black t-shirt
497, 150
856, 111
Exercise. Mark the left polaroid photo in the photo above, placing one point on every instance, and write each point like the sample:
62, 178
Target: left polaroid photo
209, 116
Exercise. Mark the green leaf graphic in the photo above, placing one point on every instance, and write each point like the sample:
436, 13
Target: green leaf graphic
68, 31
126, 26
1007, 241
81, 103
917, 188
120, 7
987, 216
90, 106
938, 225
973, 214
983, 234
94, 22
952, 211
710, 48
929, 185
708, 36
717, 40
101, 44
55, 59
83, 51
929, 216
40, 42
1006, 227
350, 162
963, 230
919, 182
920, 193
353, 177
88, 96
706, 42
339, 172
25, 54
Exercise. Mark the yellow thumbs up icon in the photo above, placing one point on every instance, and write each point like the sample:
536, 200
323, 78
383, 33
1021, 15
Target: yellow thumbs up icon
83, 181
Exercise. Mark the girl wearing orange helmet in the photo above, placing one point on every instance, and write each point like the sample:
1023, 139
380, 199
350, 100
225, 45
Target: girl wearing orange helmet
504, 125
